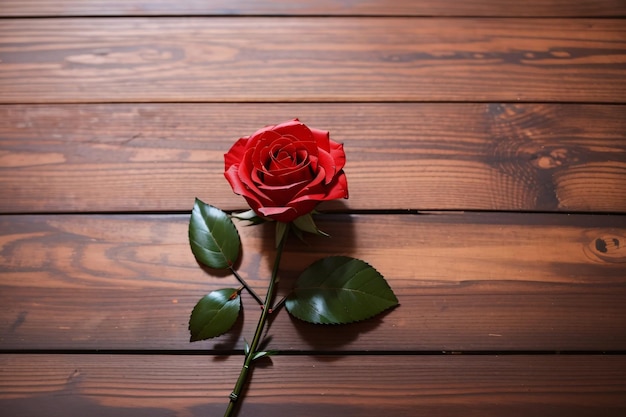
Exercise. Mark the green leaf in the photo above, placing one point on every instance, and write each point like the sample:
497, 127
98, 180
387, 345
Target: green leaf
213, 236
339, 290
214, 314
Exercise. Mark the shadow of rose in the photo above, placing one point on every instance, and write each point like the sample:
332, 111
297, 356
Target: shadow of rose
298, 255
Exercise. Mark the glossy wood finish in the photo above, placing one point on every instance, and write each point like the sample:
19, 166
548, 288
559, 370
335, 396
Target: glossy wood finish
161, 385
495, 156
517, 282
552, 8
486, 146
280, 59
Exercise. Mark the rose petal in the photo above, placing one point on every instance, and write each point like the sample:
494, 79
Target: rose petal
266, 153
235, 153
339, 188
232, 176
322, 139
283, 160
315, 190
304, 207
295, 129
300, 174
282, 195
255, 200
262, 131
338, 154
272, 212
328, 163
285, 170
261, 146
252, 180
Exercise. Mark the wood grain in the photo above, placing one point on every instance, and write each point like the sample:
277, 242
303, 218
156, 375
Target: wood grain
459, 385
311, 60
115, 114
552, 8
465, 282
150, 157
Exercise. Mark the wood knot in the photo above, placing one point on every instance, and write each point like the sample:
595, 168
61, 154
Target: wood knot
608, 247
550, 159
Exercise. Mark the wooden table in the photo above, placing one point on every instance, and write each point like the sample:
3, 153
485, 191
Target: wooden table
486, 145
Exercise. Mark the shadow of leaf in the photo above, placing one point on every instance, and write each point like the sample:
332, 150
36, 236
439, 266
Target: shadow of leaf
339, 337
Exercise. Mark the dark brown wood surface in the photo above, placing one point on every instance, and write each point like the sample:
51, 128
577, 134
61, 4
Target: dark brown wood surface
553, 8
486, 146
364, 385
465, 282
311, 59
495, 156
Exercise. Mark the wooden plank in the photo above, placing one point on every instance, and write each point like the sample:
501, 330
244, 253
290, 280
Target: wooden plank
553, 8
312, 59
443, 385
466, 282
128, 157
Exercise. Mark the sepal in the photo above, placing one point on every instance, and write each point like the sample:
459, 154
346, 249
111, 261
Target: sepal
307, 224
250, 216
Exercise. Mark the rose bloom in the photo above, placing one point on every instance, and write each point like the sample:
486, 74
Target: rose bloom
284, 171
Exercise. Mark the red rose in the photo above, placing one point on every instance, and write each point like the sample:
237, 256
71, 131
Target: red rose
284, 171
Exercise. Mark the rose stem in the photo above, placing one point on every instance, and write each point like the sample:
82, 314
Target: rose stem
241, 381
246, 286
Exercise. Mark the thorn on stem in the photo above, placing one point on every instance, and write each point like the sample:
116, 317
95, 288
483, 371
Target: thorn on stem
235, 294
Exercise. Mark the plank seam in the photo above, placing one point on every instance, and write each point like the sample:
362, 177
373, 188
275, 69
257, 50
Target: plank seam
261, 102
200, 352
373, 212
305, 16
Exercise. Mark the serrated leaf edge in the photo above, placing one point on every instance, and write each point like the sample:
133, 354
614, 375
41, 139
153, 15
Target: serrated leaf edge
192, 339
193, 242
394, 302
